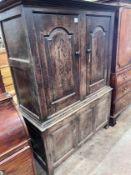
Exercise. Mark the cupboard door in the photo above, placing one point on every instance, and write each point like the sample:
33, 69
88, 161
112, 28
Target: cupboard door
97, 51
124, 45
59, 52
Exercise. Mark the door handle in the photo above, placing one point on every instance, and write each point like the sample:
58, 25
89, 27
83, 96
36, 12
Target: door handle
88, 51
77, 53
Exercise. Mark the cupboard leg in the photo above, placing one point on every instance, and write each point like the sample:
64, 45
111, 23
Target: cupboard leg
106, 126
112, 121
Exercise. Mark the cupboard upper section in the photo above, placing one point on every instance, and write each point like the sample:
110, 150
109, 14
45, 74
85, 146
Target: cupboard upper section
58, 56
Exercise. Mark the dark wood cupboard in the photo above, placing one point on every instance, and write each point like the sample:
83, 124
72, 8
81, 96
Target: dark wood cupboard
121, 60
60, 60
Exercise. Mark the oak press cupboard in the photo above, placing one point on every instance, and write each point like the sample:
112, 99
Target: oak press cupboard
60, 57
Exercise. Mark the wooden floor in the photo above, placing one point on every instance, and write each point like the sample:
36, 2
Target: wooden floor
103, 154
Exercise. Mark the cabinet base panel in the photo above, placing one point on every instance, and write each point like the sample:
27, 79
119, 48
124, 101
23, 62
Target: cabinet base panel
60, 139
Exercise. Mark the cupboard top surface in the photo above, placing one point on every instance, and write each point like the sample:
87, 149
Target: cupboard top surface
4, 4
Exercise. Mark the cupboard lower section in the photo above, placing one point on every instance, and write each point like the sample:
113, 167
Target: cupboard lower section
54, 142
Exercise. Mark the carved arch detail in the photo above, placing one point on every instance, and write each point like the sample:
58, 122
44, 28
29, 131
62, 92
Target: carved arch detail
98, 54
59, 46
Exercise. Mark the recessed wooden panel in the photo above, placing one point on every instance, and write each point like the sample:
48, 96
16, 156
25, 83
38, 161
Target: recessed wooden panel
62, 140
102, 111
25, 88
59, 52
97, 50
124, 44
16, 38
98, 54
85, 123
